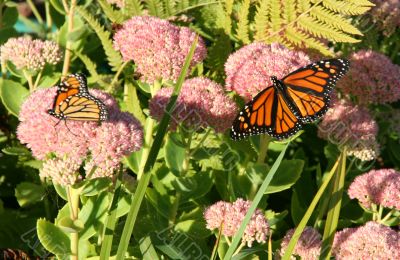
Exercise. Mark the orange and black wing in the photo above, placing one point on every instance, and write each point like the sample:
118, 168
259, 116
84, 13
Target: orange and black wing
268, 112
309, 88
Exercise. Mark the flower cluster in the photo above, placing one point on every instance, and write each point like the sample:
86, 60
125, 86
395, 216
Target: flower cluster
352, 126
381, 187
201, 103
372, 78
249, 69
100, 146
386, 14
371, 241
29, 54
157, 47
308, 246
63, 171
229, 217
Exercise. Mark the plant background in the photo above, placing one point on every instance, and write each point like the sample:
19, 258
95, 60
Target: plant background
220, 169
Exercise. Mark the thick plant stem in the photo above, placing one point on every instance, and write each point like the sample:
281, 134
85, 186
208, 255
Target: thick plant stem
264, 142
73, 200
49, 21
35, 11
335, 203
67, 57
30, 81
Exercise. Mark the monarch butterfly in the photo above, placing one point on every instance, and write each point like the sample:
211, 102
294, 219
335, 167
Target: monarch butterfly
74, 102
300, 97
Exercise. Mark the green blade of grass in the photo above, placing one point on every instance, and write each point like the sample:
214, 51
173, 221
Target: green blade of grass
137, 198
307, 215
335, 203
254, 204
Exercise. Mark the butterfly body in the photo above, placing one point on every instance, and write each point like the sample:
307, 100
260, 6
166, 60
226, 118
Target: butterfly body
74, 102
301, 97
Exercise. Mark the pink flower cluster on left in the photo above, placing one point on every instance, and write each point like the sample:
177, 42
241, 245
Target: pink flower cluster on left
64, 147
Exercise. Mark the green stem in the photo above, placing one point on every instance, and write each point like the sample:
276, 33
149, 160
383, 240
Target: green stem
29, 79
299, 230
68, 46
380, 211
37, 79
35, 11
1, 14
120, 69
270, 245
375, 210
49, 21
152, 157
214, 252
239, 248
264, 142
335, 203
148, 139
388, 215
73, 201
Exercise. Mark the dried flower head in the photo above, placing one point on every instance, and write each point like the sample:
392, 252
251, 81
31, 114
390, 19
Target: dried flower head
371, 241
201, 103
229, 216
119, 3
29, 54
63, 171
352, 126
381, 187
372, 78
308, 246
249, 69
386, 14
102, 145
157, 47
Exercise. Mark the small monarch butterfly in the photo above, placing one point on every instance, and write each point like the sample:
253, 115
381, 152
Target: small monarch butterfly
300, 97
74, 102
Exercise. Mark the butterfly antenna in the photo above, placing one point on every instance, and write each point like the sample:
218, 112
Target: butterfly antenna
69, 130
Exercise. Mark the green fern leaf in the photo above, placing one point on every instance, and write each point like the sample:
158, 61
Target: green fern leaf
261, 20
345, 7
303, 5
321, 30
275, 11
133, 8
361, 2
114, 58
92, 68
115, 16
289, 11
333, 20
243, 24
170, 7
299, 39
155, 8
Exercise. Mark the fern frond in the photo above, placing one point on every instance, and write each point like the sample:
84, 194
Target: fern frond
299, 39
321, 30
333, 20
362, 2
114, 15
242, 32
155, 8
289, 11
169, 7
303, 5
92, 68
133, 7
345, 7
114, 58
261, 20
275, 11
229, 6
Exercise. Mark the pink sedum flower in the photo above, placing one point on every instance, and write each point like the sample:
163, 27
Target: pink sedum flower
201, 103
29, 54
158, 47
229, 216
101, 145
249, 69
63, 171
353, 126
371, 241
381, 187
308, 246
386, 14
372, 78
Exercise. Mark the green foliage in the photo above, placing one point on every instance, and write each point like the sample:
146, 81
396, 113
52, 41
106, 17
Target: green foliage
29, 193
12, 95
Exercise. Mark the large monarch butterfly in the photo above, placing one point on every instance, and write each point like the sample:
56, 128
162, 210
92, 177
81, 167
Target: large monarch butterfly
74, 102
300, 97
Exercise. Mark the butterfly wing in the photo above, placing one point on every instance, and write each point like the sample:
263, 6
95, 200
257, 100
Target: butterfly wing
268, 112
309, 88
74, 102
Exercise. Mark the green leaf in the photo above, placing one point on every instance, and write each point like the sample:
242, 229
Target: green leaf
17, 151
53, 238
28, 193
257, 172
93, 187
57, 4
147, 249
7, 33
133, 102
61, 191
69, 225
13, 95
193, 227
288, 173
202, 183
48, 81
10, 17
93, 214
174, 154
115, 16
